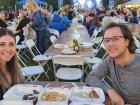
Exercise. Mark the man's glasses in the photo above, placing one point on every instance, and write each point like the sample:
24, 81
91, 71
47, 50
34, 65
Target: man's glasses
114, 39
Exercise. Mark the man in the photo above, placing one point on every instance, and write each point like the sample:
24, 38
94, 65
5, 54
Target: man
122, 64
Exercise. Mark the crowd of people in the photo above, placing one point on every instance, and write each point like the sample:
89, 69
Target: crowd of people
39, 19
122, 63
97, 18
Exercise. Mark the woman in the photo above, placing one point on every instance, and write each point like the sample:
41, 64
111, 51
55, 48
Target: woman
23, 21
38, 23
9, 71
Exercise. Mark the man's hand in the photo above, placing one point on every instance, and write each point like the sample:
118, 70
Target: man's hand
115, 97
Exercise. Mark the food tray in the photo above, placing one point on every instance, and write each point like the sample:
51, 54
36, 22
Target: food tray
80, 103
12, 102
64, 91
84, 98
17, 92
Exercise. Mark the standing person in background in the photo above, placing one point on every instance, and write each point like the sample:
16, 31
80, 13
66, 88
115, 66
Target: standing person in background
47, 15
122, 65
3, 23
37, 22
9, 70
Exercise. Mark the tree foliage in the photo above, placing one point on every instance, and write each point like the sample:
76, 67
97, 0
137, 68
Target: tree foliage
51, 1
7, 3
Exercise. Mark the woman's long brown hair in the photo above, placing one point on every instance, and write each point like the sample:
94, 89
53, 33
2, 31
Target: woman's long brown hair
12, 67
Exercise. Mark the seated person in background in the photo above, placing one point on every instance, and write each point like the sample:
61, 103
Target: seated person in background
64, 18
94, 24
128, 16
71, 13
11, 15
122, 64
57, 24
134, 18
2, 19
23, 21
87, 20
9, 70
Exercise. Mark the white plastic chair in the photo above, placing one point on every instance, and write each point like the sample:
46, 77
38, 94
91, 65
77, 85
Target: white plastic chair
90, 61
31, 72
137, 43
96, 32
97, 41
55, 32
21, 48
67, 73
106, 80
41, 59
17, 39
53, 39
37, 56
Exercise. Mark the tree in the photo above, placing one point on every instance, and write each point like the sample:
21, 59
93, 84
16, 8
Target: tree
7, 3
54, 3
51, 1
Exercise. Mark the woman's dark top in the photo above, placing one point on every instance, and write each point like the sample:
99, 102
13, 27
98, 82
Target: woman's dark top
22, 23
1, 93
3, 24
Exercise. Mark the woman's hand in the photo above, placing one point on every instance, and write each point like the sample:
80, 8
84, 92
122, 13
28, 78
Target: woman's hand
115, 97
